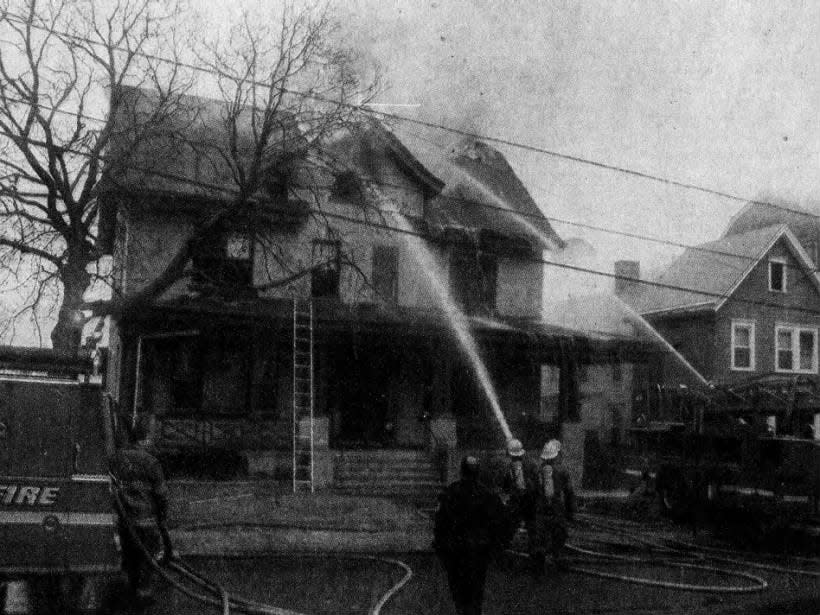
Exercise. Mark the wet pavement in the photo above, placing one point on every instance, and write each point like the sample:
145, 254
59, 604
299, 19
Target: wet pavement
327, 553
322, 583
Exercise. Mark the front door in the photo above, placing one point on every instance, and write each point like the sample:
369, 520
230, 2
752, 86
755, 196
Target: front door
360, 404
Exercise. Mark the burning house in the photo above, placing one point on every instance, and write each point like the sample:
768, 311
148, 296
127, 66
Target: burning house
365, 312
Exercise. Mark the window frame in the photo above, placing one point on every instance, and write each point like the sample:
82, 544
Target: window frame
379, 253
796, 331
752, 345
332, 266
782, 262
215, 267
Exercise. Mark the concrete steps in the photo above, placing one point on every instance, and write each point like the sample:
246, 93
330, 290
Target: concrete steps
399, 474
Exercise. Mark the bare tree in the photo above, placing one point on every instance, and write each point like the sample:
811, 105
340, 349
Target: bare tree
283, 86
62, 63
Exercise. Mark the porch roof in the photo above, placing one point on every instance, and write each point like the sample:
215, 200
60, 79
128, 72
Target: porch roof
364, 318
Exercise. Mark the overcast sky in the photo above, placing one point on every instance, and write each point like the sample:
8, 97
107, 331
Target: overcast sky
719, 94
724, 95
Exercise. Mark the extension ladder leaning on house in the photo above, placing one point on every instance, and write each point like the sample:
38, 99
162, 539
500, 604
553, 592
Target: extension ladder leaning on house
303, 387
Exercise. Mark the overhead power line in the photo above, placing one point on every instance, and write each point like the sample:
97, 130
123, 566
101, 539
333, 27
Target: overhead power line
436, 126
224, 192
579, 269
472, 202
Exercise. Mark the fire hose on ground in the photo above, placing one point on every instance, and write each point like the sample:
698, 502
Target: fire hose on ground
669, 549
218, 596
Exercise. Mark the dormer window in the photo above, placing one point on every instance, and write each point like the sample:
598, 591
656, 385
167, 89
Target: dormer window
777, 275
347, 187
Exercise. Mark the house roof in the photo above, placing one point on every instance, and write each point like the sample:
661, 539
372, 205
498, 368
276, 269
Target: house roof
716, 269
604, 316
803, 222
181, 152
482, 191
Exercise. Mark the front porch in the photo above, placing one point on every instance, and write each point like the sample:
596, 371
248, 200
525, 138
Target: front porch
221, 384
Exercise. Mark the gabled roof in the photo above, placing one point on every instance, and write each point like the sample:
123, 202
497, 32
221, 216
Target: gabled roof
804, 223
481, 192
716, 269
355, 147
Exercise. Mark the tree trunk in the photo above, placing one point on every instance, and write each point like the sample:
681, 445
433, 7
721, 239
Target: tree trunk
67, 333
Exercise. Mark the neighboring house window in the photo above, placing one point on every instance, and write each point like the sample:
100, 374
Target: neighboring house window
743, 345
324, 279
811, 249
225, 259
777, 276
386, 273
474, 277
795, 349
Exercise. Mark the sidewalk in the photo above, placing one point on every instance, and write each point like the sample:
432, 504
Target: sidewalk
220, 518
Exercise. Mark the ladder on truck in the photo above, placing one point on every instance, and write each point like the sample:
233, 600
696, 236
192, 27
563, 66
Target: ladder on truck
302, 395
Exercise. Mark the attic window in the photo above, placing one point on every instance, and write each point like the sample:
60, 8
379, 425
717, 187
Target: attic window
777, 275
347, 186
276, 185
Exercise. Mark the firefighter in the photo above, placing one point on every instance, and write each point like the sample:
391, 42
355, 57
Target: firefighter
143, 499
518, 489
554, 506
469, 530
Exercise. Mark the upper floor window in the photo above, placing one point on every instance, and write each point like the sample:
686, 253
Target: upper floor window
326, 273
386, 273
473, 277
224, 259
777, 275
743, 345
348, 186
795, 349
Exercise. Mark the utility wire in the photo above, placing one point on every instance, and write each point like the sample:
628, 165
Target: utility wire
536, 217
433, 125
224, 191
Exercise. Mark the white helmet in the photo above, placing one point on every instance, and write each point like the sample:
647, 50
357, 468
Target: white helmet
551, 450
515, 448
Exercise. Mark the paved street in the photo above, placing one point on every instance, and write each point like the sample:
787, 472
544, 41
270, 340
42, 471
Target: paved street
337, 584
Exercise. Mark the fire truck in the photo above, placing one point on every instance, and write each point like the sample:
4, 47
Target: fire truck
56, 513
752, 446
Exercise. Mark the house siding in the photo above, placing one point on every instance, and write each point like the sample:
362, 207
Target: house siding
797, 306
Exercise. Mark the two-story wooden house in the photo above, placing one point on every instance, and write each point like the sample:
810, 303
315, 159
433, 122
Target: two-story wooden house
338, 295
741, 307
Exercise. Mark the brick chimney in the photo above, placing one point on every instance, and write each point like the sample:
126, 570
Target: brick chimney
630, 269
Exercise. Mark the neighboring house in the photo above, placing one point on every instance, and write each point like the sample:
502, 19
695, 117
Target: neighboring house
214, 357
757, 312
803, 223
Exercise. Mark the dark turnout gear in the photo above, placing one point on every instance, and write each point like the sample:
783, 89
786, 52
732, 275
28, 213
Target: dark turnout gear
143, 491
469, 529
554, 505
519, 486
143, 497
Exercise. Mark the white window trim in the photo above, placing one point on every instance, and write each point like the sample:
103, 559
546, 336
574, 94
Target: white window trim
781, 261
752, 353
796, 330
